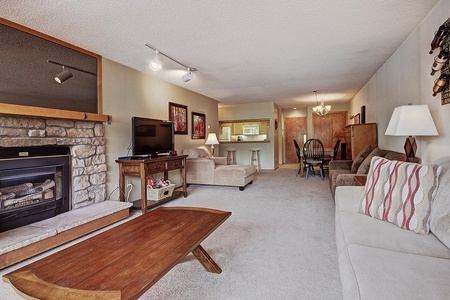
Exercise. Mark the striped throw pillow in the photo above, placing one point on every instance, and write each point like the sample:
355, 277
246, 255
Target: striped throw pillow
400, 193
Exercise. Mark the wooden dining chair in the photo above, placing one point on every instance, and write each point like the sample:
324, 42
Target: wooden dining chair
327, 159
298, 151
313, 153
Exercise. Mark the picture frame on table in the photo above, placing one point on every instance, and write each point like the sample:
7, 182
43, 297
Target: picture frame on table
178, 114
198, 126
357, 119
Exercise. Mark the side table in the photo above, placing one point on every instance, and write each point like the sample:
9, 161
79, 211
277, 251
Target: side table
143, 167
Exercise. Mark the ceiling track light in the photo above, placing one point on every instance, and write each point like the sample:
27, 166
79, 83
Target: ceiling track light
66, 74
63, 76
156, 63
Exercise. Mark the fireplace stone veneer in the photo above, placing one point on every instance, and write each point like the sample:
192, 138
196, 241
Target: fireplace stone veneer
85, 139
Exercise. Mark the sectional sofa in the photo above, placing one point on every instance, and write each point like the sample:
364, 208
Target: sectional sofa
203, 169
380, 260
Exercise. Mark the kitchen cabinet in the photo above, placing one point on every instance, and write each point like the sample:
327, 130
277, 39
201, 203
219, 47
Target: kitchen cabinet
237, 128
359, 136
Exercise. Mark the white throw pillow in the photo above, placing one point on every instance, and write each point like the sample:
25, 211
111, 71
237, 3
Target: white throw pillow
400, 193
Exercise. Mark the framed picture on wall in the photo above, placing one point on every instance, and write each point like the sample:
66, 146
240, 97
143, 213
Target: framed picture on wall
178, 115
198, 125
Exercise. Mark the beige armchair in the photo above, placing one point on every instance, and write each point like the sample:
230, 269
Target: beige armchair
202, 169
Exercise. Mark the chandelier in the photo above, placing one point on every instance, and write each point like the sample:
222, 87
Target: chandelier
321, 109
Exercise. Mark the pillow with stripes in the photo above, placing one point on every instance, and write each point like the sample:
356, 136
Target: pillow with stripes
400, 193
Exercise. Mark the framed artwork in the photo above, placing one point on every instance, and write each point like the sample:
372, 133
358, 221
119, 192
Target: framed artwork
357, 119
178, 115
198, 125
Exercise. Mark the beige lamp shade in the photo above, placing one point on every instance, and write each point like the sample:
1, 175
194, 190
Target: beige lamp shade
212, 140
411, 120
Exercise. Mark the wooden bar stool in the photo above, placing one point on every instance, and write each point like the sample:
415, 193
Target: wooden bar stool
254, 157
231, 156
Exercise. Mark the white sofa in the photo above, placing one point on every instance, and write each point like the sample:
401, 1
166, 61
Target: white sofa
202, 169
378, 260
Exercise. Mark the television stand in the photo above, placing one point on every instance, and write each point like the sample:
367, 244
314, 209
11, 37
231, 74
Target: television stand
144, 167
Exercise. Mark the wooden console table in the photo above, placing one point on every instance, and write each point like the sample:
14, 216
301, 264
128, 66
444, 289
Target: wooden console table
143, 167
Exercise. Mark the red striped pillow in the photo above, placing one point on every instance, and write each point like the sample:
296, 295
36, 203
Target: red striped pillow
400, 193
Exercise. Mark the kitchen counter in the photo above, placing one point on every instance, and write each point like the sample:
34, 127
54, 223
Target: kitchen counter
242, 142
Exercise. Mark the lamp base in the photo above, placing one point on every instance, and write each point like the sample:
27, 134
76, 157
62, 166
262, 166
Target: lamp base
410, 148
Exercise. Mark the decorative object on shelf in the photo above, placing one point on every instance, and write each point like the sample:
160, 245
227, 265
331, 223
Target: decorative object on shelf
156, 63
178, 115
439, 36
440, 84
439, 61
212, 140
321, 109
404, 123
363, 114
357, 119
198, 125
441, 40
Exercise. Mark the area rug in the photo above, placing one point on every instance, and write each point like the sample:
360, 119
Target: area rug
279, 243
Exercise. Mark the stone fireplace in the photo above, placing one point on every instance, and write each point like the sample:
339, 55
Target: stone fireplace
86, 143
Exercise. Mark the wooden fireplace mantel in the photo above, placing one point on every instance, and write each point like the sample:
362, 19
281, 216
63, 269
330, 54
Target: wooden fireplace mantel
31, 111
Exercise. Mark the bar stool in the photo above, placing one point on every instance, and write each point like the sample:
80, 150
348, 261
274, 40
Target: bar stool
231, 156
254, 157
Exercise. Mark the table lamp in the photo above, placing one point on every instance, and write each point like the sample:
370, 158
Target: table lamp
212, 140
411, 120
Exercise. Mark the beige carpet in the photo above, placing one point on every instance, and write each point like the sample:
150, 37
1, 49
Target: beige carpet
278, 244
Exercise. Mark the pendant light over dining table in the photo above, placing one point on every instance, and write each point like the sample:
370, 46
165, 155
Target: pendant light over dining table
321, 109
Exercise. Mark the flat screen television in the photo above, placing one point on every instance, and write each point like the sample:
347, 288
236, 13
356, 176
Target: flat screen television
151, 137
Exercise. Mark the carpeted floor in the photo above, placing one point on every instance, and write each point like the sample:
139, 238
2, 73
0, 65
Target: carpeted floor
278, 244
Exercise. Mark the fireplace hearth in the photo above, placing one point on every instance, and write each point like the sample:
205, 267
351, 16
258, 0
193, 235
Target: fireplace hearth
34, 184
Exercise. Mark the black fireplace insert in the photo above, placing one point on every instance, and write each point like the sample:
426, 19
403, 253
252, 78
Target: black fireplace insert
34, 184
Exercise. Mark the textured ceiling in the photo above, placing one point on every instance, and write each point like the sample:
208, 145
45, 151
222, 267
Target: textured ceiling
245, 51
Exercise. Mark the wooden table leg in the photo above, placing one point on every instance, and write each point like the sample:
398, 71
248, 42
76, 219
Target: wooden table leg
207, 262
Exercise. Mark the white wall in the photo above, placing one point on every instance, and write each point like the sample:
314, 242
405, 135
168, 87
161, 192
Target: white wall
265, 110
405, 78
127, 93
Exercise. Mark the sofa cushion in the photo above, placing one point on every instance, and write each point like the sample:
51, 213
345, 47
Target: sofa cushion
234, 170
365, 165
373, 273
393, 155
400, 193
360, 158
352, 228
440, 212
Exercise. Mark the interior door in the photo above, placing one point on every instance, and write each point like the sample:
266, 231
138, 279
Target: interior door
294, 128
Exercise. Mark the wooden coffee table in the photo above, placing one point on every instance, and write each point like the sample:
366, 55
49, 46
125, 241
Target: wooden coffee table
123, 262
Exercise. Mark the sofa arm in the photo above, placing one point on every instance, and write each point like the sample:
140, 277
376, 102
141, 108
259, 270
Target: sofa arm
340, 164
201, 165
219, 160
348, 179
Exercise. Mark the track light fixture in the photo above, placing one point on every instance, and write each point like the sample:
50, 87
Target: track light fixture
66, 74
156, 63
63, 76
188, 76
